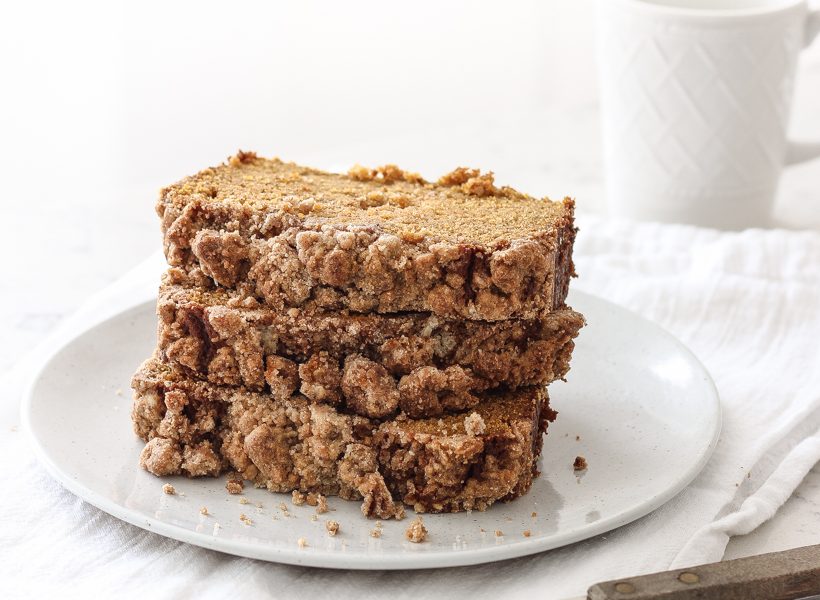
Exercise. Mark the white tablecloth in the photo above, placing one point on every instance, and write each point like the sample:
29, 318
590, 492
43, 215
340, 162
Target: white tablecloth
748, 304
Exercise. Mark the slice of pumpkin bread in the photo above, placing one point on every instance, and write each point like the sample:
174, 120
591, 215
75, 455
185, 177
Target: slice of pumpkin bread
380, 240
370, 364
457, 462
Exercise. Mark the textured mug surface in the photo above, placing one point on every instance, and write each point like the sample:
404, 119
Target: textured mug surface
695, 106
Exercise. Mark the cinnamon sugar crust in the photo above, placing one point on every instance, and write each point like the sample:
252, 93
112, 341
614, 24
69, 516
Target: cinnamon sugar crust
374, 240
434, 465
369, 364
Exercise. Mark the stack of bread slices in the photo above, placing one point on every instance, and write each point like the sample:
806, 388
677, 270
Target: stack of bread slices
371, 335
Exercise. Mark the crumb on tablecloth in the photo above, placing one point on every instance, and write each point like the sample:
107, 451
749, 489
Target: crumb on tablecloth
332, 528
243, 500
169, 489
416, 532
245, 519
527, 533
297, 498
498, 533
321, 504
302, 542
580, 464
204, 511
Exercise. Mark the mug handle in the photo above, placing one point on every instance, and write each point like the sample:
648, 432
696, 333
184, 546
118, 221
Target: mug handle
797, 152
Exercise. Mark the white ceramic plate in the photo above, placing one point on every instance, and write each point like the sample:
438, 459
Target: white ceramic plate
644, 409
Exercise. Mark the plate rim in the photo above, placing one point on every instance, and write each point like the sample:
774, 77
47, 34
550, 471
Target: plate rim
332, 559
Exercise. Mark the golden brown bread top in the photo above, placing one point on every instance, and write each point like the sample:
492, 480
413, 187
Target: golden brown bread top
462, 207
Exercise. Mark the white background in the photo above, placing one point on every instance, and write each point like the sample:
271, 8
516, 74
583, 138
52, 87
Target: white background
103, 103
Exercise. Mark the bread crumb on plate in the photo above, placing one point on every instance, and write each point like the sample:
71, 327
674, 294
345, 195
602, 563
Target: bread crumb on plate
235, 486
416, 532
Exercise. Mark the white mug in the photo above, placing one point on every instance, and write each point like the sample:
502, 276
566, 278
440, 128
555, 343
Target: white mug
695, 101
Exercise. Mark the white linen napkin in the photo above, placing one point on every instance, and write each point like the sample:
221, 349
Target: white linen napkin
748, 304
